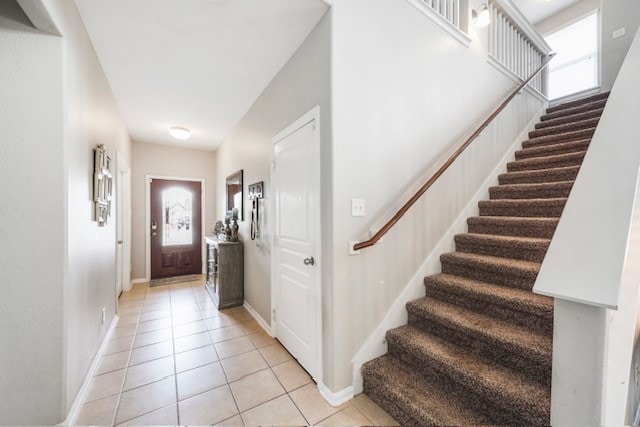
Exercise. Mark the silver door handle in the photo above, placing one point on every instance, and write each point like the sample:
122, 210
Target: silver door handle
309, 261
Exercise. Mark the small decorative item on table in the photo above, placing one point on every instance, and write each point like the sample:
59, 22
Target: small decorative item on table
218, 228
227, 228
234, 227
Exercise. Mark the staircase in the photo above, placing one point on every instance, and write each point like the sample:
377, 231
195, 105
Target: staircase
477, 349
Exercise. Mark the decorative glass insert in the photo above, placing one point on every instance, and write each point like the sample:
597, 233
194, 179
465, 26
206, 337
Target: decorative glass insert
177, 217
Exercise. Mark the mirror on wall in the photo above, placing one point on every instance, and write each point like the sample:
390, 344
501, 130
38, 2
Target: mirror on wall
235, 199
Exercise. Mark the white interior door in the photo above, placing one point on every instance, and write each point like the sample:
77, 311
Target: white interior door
297, 236
123, 227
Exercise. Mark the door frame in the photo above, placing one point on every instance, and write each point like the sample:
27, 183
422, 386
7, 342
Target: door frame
311, 116
147, 219
123, 220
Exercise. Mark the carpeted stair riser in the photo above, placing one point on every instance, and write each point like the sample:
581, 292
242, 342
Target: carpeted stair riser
526, 249
508, 391
568, 127
512, 275
553, 150
567, 173
538, 366
579, 102
505, 303
532, 208
559, 138
530, 191
570, 119
574, 110
509, 226
549, 162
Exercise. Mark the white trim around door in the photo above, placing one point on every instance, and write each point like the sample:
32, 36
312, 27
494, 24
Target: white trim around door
147, 220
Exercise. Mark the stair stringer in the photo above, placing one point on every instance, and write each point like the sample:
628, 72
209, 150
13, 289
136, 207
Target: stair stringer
375, 345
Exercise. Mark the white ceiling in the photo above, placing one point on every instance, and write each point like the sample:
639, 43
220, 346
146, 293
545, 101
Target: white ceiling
198, 64
538, 10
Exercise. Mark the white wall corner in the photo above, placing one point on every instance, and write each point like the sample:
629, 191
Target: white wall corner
263, 323
376, 344
39, 16
82, 393
338, 398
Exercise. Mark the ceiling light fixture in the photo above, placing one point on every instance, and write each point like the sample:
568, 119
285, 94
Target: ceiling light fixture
180, 133
481, 16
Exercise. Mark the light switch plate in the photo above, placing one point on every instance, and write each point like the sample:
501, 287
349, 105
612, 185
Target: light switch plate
357, 207
619, 33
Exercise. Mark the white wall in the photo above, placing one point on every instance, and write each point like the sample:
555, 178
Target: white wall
567, 16
302, 83
32, 218
154, 159
617, 14
404, 91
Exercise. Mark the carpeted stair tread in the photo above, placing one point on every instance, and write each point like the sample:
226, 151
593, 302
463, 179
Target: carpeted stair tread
595, 105
509, 390
558, 138
523, 207
415, 399
564, 128
545, 190
516, 247
485, 268
518, 341
578, 102
513, 226
548, 162
552, 150
565, 173
517, 300
570, 119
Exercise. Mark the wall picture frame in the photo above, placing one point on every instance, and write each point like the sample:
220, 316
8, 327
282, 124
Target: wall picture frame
102, 185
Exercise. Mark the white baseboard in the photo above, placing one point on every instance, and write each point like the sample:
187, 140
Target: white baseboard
77, 403
376, 344
258, 318
336, 399
143, 280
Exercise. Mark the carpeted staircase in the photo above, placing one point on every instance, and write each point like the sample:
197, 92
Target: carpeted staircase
477, 349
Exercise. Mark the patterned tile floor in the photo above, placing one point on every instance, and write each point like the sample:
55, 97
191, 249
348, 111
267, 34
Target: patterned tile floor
174, 359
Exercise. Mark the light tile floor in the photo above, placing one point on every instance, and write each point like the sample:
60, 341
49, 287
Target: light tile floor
174, 359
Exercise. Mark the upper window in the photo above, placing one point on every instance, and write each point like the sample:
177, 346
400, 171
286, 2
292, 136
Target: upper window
575, 66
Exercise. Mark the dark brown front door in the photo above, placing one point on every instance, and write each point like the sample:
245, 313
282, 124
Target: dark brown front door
176, 223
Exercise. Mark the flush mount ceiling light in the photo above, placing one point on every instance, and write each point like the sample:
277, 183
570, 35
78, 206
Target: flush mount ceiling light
481, 16
180, 133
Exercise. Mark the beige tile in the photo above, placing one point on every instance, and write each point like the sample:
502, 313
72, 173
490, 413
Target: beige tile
128, 311
372, 411
189, 329
177, 300
251, 327
125, 331
234, 347
312, 404
261, 339
98, 413
210, 312
200, 379
113, 362
242, 315
105, 385
153, 315
226, 333
350, 416
149, 372
208, 408
163, 305
151, 352
157, 299
280, 412
207, 305
195, 358
231, 422
154, 325
127, 320
142, 400
153, 337
202, 297
192, 341
221, 321
126, 296
183, 308
129, 304
275, 354
118, 345
291, 375
181, 319
242, 365
167, 416
256, 389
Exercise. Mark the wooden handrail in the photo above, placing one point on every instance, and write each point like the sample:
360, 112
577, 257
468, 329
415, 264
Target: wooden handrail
403, 210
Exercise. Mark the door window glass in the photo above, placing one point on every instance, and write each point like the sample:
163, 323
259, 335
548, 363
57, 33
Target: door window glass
177, 217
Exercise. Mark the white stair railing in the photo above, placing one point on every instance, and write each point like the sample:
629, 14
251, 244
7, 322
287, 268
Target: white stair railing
448, 9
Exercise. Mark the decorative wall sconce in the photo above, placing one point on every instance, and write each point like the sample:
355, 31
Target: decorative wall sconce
481, 15
102, 185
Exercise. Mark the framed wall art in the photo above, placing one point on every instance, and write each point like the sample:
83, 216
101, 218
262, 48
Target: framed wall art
102, 185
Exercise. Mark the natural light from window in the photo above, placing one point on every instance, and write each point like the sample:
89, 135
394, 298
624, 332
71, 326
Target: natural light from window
575, 66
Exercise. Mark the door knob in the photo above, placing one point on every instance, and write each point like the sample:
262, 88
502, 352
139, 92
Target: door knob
120, 242
309, 261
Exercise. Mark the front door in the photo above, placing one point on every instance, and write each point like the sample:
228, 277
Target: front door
297, 276
176, 222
